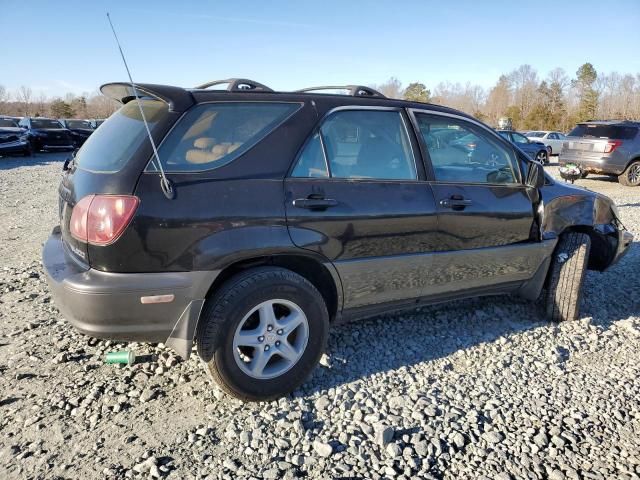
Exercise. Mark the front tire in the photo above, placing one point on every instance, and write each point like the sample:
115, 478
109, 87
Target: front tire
631, 176
566, 276
262, 333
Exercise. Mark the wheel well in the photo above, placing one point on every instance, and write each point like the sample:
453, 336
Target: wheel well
603, 246
307, 267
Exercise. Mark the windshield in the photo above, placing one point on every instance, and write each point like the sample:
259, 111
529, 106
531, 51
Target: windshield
590, 130
78, 124
5, 122
119, 137
535, 134
45, 123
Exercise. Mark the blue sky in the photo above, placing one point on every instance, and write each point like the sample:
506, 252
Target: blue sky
66, 46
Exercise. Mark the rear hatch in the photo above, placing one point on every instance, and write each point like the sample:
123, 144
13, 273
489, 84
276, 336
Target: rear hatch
111, 161
595, 140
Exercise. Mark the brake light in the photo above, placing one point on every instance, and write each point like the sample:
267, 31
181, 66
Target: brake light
101, 219
612, 145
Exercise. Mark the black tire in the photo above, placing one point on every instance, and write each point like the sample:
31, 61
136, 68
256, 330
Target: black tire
225, 310
543, 157
584, 174
631, 176
566, 276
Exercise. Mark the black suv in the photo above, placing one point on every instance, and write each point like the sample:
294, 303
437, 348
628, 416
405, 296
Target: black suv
285, 212
80, 130
47, 134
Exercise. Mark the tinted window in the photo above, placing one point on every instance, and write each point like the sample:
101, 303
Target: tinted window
360, 144
535, 134
312, 162
45, 123
505, 135
4, 122
553, 136
519, 138
109, 148
214, 134
619, 132
470, 156
78, 124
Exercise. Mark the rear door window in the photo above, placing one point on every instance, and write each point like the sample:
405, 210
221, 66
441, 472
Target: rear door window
109, 149
211, 135
359, 144
617, 132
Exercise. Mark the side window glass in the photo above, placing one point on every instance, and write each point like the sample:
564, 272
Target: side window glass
519, 138
213, 134
464, 153
361, 144
311, 162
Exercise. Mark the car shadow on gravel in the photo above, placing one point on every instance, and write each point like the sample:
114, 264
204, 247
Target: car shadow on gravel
8, 163
364, 348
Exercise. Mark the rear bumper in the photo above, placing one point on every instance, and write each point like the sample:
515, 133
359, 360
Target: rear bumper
108, 305
605, 165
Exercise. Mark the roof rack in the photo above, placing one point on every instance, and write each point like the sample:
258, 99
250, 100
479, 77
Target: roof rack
237, 85
354, 90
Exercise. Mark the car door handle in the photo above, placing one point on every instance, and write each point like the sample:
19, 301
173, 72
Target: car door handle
455, 202
315, 203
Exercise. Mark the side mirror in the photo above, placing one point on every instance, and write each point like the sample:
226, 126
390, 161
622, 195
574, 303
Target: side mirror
535, 175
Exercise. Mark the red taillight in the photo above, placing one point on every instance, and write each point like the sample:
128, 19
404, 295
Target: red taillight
612, 145
101, 219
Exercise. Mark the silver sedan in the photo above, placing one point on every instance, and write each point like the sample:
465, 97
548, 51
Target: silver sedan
552, 139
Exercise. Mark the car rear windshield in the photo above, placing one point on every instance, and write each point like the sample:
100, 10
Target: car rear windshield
78, 124
618, 132
213, 134
7, 123
119, 137
45, 124
534, 134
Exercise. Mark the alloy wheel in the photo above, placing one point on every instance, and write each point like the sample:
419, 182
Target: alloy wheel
633, 175
270, 339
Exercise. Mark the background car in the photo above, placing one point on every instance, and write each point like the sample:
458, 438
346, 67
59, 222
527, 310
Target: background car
47, 134
611, 147
13, 139
536, 150
552, 139
80, 129
96, 122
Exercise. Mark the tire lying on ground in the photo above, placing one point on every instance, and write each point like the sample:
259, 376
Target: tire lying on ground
566, 276
262, 333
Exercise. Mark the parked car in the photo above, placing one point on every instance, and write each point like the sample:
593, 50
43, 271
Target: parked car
610, 147
80, 129
552, 139
278, 214
96, 122
13, 139
47, 134
536, 150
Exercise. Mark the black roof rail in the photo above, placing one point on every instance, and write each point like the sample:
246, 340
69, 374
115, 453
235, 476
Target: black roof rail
354, 90
237, 85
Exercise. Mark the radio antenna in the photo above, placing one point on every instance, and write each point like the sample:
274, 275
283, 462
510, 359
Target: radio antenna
165, 184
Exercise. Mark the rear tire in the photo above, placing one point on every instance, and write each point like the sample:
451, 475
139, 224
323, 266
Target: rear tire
566, 276
631, 176
232, 334
543, 157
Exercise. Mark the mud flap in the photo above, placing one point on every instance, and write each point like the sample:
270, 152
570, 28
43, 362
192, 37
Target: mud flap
181, 337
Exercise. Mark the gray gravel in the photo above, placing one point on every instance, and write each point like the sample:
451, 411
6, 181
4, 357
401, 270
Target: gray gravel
478, 389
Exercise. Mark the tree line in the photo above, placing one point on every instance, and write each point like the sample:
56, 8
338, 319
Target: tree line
24, 103
555, 102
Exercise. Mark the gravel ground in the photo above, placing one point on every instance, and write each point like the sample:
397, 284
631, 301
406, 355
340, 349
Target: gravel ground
477, 389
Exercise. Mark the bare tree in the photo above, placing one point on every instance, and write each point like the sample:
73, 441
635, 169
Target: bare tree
24, 97
392, 88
